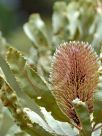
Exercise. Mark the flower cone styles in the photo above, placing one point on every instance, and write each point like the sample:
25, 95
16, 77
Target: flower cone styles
74, 75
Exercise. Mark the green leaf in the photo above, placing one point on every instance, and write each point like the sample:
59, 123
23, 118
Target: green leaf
98, 102
35, 29
65, 20
101, 132
20, 114
5, 120
98, 131
3, 45
32, 83
17, 132
35, 118
60, 128
83, 116
9, 77
59, 22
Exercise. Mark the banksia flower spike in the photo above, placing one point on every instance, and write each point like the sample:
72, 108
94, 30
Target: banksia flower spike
74, 75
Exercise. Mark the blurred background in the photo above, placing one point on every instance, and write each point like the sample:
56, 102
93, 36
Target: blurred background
14, 13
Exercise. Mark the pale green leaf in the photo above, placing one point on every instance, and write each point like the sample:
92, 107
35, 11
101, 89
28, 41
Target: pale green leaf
3, 45
21, 118
36, 31
32, 83
17, 132
98, 131
83, 116
60, 128
98, 102
14, 85
59, 22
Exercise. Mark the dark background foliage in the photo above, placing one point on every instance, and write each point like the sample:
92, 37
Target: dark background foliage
13, 13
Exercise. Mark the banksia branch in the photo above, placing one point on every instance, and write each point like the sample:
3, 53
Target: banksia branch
74, 75
10, 100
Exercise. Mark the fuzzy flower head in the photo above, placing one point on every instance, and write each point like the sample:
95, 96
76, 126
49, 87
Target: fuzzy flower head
74, 75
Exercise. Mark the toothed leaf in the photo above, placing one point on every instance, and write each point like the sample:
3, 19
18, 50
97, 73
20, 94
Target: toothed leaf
32, 84
9, 77
18, 112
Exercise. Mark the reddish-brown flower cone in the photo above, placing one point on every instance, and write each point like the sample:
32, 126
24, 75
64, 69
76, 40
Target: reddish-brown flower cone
74, 75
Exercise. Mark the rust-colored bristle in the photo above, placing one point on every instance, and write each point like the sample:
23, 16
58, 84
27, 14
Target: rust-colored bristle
74, 75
